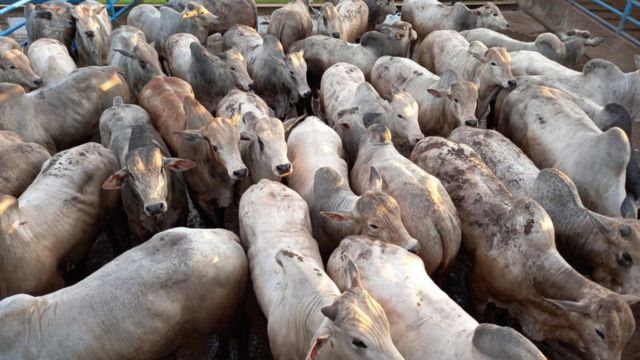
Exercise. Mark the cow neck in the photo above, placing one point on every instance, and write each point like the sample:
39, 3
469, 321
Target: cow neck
554, 278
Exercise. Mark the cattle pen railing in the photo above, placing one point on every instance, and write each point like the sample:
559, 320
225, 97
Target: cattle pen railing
624, 16
110, 5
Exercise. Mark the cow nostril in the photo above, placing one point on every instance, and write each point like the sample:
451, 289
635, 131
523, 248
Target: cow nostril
512, 83
283, 169
306, 95
472, 123
155, 209
252, 87
241, 174
507, 26
90, 33
415, 248
37, 82
336, 35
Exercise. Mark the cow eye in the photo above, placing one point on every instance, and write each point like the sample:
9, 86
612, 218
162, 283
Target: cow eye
233, 69
600, 334
261, 144
455, 100
292, 73
374, 227
495, 14
214, 147
400, 116
143, 64
625, 259
493, 63
358, 343
12, 67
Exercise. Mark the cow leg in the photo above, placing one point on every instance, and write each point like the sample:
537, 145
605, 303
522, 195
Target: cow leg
479, 297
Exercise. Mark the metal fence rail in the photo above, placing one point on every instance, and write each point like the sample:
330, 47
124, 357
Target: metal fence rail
110, 4
625, 17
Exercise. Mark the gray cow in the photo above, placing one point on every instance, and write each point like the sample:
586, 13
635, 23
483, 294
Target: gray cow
20, 163
603, 248
344, 93
230, 12
212, 76
50, 60
447, 103
426, 209
263, 146
549, 127
181, 284
489, 68
428, 16
281, 80
159, 25
153, 192
321, 52
15, 66
322, 180
67, 112
53, 224
93, 28
51, 19
193, 134
566, 49
138, 59
378, 11
516, 263
291, 23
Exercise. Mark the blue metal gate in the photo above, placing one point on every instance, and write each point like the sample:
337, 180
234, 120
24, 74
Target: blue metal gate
625, 16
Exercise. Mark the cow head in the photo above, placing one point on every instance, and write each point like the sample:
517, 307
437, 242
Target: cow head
376, 134
583, 36
236, 64
460, 98
328, 21
604, 323
143, 62
145, 174
50, 20
495, 63
489, 16
376, 214
15, 68
294, 75
199, 15
219, 136
268, 147
405, 116
358, 327
88, 24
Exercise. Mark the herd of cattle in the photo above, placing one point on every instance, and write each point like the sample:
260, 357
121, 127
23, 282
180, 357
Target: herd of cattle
344, 217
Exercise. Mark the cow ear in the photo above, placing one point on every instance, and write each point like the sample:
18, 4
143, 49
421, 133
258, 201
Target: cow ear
101, 9
375, 180
344, 125
116, 181
315, 347
631, 299
353, 274
7, 202
438, 93
368, 118
246, 136
291, 124
191, 135
179, 165
570, 306
338, 216
477, 50
125, 53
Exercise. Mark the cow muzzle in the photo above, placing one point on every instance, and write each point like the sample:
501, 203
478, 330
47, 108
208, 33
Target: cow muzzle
155, 209
240, 174
90, 34
471, 123
283, 169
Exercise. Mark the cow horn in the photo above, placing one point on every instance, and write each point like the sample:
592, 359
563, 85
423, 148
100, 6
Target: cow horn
353, 273
330, 312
